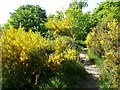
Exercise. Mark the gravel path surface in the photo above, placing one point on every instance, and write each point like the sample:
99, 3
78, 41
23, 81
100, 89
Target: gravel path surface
93, 74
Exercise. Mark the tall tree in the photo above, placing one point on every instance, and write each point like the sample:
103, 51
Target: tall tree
106, 11
81, 22
29, 17
78, 4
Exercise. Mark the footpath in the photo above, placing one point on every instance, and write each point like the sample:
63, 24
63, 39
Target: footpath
93, 74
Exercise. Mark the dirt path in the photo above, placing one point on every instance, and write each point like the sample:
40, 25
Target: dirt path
92, 70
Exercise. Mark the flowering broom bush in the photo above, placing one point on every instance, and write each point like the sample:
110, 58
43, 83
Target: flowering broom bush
28, 58
103, 41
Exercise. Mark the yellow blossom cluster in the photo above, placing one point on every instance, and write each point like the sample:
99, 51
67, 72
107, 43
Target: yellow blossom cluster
60, 27
27, 54
63, 51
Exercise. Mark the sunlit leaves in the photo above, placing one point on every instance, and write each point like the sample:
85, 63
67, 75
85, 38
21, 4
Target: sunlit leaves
106, 11
81, 22
30, 17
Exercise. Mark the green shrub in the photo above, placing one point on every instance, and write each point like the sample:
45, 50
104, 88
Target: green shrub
55, 82
72, 73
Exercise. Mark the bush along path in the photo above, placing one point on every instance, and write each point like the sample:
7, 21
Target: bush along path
91, 80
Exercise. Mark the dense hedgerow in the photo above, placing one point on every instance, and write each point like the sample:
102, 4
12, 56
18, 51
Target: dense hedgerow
28, 59
103, 41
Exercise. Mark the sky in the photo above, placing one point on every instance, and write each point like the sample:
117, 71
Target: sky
51, 6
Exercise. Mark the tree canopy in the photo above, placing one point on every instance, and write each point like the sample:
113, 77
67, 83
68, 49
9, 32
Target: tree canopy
29, 17
106, 11
81, 22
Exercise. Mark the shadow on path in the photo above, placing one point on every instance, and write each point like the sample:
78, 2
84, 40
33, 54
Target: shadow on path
91, 80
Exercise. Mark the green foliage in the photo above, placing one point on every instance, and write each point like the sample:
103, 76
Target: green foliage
73, 22
103, 41
59, 16
72, 73
55, 82
78, 4
106, 11
81, 22
29, 17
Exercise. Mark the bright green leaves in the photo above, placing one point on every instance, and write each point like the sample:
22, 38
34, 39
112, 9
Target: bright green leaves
73, 22
80, 22
29, 17
106, 11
